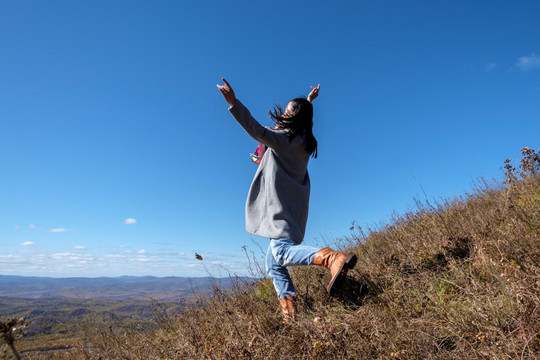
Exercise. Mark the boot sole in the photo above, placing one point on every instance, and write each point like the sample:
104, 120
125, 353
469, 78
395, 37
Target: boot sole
349, 263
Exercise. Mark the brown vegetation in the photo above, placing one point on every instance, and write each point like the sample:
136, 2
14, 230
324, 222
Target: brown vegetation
459, 279
10, 330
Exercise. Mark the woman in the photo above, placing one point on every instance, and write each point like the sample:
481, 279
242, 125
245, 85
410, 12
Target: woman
278, 200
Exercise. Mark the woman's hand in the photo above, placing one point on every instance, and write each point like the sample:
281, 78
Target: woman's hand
314, 93
227, 92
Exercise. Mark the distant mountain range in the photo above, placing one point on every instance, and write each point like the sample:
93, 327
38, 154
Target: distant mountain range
106, 288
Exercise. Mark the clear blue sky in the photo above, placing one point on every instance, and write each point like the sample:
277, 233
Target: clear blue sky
118, 155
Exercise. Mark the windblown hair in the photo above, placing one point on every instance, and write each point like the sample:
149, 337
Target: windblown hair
299, 123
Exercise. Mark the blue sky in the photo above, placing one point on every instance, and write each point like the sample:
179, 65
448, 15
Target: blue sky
118, 155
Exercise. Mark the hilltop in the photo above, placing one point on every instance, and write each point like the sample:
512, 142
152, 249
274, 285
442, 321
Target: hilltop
455, 279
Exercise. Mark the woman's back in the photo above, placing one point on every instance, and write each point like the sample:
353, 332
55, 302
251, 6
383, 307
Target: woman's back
278, 199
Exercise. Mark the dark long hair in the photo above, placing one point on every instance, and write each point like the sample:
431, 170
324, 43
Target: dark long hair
300, 122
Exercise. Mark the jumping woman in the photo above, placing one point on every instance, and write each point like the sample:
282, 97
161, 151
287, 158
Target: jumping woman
278, 199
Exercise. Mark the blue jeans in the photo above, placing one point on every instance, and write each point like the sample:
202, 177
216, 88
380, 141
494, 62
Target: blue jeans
282, 253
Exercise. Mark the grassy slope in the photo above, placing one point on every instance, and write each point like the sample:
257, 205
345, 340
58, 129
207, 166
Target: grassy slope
455, 280
60, 324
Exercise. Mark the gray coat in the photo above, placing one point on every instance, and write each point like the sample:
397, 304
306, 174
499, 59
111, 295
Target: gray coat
278, 199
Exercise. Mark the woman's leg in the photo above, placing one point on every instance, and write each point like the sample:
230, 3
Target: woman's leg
288, 253
282, 253
279, 275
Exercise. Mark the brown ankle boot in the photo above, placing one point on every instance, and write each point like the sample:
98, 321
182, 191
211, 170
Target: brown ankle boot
337, 262
288, 307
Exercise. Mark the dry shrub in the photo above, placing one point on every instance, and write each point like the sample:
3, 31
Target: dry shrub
458, 279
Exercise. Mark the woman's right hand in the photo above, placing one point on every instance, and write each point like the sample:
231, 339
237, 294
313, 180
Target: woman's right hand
227, 92
314, 93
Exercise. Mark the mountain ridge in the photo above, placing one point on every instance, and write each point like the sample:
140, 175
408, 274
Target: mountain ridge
168, 288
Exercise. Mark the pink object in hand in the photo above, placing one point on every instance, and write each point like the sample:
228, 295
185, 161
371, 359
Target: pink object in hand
258, 155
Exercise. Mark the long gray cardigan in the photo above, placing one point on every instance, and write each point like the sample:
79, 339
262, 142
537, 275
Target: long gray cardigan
278, 199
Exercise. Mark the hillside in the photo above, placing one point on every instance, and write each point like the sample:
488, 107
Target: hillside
59, 324
62, 312
456, 279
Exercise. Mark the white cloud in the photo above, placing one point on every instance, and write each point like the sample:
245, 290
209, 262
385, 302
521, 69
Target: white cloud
130, 221
33, 259
60, 255
490, 66
16, 227
60, 230
32, 226
526, 63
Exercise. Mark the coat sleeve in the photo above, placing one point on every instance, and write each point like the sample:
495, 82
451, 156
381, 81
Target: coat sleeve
275, 139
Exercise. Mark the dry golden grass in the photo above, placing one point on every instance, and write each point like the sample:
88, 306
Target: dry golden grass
459, 279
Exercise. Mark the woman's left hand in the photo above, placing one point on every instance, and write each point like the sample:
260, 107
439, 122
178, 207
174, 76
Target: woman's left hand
314, 93
227, 92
